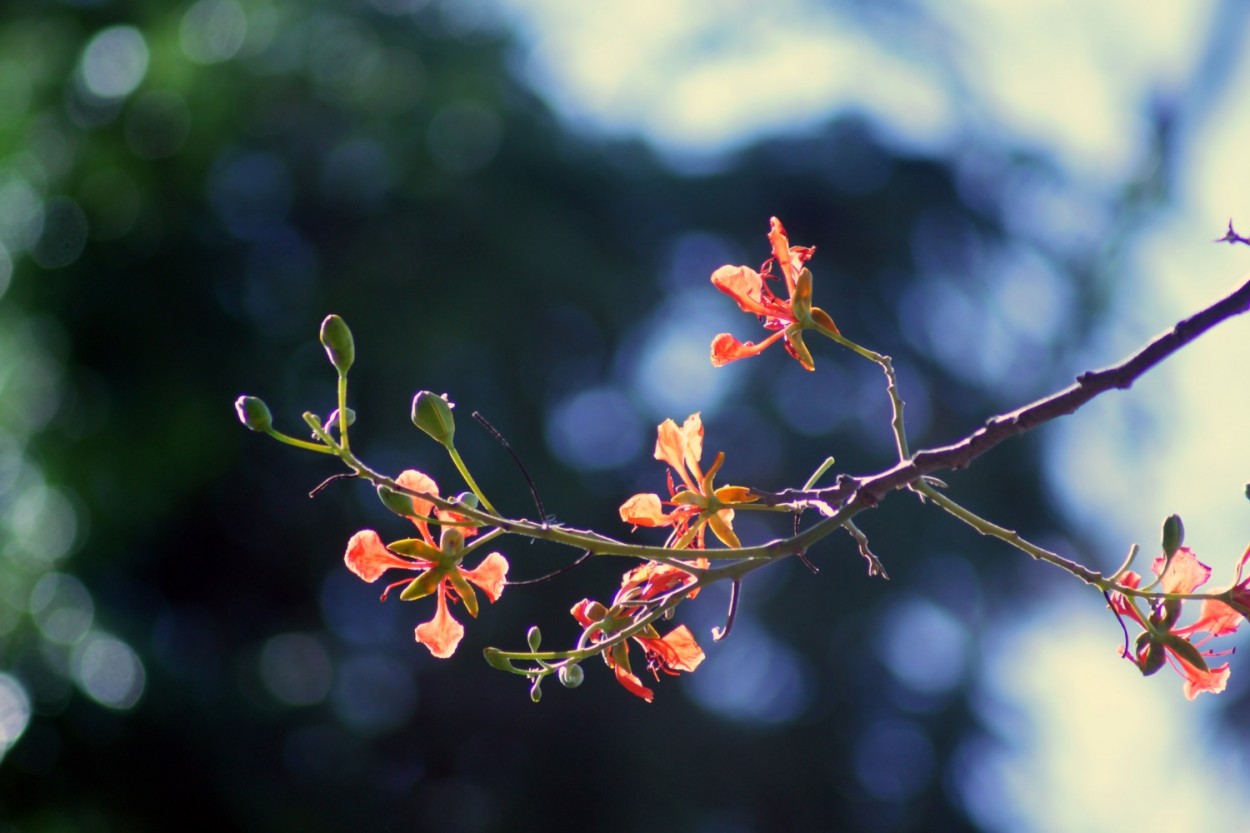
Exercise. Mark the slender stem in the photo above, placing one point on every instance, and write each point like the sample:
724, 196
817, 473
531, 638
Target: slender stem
468, 478
304, 444
887, 367
1010, 536
342, 410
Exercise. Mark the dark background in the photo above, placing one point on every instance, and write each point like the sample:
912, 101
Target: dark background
389, 168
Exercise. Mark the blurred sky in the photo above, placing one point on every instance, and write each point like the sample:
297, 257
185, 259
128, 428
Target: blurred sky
1081, 83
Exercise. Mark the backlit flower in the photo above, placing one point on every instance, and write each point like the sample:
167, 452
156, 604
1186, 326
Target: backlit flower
670, 654
787, 317
437, 566
696, 503
1162, 641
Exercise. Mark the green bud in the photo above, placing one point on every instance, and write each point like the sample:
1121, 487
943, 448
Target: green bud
397, 502
571, 676
534, 637
1173, 534
253, 413
468, 499
536, 692
336, 337
432, 414
496, 659
1248, 491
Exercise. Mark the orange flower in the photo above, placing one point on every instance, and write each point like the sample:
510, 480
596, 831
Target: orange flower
695, 506
671, 654
437, 565
1162, 641
788, 318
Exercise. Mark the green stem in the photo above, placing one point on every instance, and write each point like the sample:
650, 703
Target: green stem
304, 444
342, 410
468, 478
887, 366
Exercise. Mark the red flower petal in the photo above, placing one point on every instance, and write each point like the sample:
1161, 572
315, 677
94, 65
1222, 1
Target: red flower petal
368, 558
489, 575
442, 634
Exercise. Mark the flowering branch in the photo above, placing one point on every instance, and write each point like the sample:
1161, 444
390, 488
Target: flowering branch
678, 570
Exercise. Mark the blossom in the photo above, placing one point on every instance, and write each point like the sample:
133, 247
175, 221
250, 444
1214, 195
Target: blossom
670, 654
697, 504
788, 317
1162, 641
437, 566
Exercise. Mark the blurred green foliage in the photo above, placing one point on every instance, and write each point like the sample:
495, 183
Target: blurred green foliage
187, 189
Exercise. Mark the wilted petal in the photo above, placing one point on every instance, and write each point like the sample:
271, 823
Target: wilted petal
618, 659
692, 434
726, 348
369, 558
747, 288
644, 510
490, 575
677, 650
442, 634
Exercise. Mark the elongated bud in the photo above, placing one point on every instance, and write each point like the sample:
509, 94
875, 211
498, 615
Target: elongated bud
336, 337
534, 637
432, 414
253, 413
1173, 535
496, 659
397, 502
571, 676
536, 691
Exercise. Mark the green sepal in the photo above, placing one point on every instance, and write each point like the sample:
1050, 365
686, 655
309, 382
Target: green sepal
337, 339
432, 414
1185, 650
422, 586
416, 548
1154, 656
464, 590
253, 413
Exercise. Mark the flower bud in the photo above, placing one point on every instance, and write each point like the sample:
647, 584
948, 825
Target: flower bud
534, 637
339, 344
571, 676
1173, 534
397, 502
253, 413
536, 692
496, 659
432, 414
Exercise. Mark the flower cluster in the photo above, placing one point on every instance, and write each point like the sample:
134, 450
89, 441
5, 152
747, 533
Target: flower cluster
642, 589
787, 318
669, 575
437, 565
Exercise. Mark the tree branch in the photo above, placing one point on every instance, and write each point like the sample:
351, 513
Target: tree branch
1088, 385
